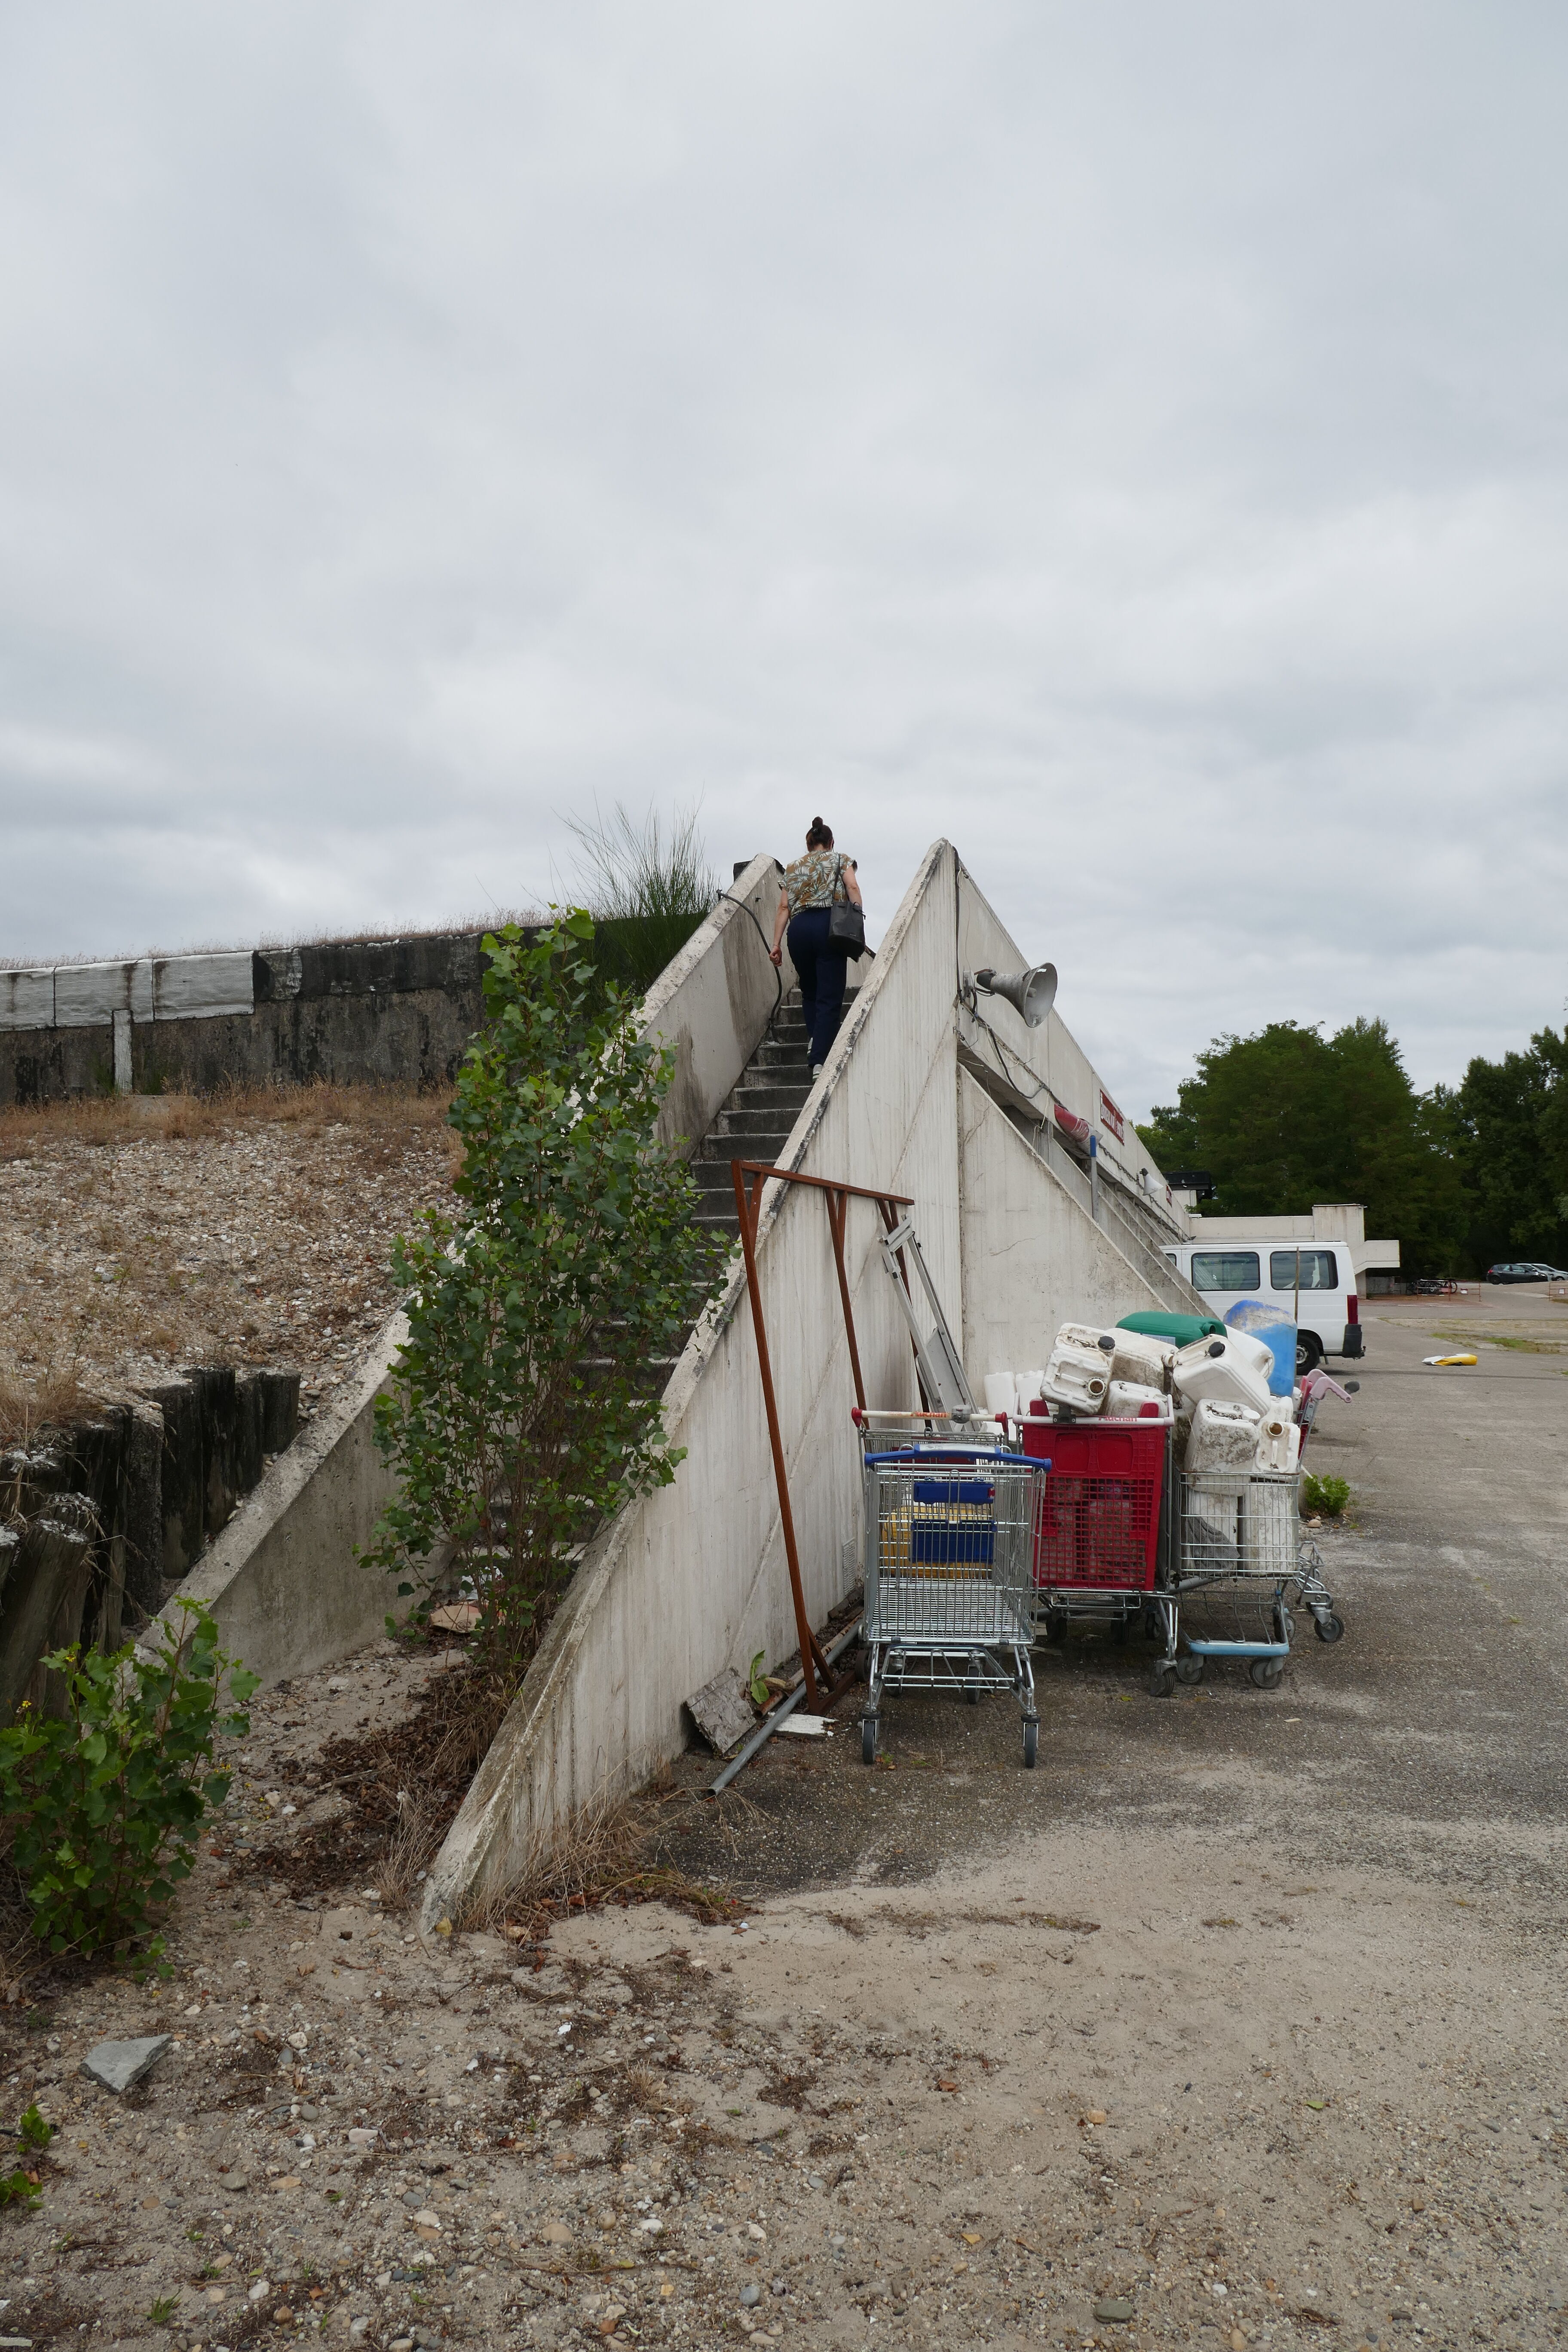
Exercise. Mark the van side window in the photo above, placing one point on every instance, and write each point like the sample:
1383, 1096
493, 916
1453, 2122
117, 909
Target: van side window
1226, 1270
1319, 1271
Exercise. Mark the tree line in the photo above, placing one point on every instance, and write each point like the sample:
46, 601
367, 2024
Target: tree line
1461, 1176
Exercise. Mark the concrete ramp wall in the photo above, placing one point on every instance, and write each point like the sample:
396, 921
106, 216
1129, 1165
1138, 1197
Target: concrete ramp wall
692, 1578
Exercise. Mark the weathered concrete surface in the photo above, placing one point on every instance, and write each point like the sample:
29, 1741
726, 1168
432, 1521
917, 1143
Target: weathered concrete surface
283, 1580
1032, 1258
693, 1577
712, 1002
390, 1012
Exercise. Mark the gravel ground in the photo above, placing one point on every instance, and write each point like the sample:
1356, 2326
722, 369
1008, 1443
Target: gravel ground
141, 1235
1241, 2021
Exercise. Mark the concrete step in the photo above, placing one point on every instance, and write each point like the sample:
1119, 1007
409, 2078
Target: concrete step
744, 1126
769, 1094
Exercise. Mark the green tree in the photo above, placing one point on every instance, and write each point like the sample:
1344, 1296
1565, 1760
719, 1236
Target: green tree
525, 1407
1287, 1118
1510, 1121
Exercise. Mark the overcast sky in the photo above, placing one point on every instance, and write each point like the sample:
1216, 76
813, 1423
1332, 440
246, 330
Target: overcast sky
1126, 440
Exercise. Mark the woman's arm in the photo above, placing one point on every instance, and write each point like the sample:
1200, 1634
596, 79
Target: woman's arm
852, 885
780, 920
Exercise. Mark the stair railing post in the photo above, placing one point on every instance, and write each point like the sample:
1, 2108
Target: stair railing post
837, 1214
748, 1201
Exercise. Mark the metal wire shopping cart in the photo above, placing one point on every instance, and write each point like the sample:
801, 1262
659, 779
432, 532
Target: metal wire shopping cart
1239, 1550
950, 1537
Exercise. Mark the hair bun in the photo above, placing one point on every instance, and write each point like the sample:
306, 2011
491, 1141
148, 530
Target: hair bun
817, 825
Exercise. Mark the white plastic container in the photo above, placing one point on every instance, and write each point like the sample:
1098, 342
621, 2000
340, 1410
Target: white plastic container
1278, 1442
1270, 1526
1222, 1370
1255, 1350
1225, 1437
1137, 1401
1078, 1377
1087, 1335
1001, 1392
1140, 1357
1030, 1386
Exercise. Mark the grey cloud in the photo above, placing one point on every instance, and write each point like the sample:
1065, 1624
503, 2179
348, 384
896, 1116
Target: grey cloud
1126, 441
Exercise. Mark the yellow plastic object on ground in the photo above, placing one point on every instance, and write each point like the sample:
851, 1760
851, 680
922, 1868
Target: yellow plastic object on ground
1450, 1359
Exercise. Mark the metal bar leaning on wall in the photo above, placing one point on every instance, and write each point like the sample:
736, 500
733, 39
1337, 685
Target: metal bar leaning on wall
775, 1716
748, 1204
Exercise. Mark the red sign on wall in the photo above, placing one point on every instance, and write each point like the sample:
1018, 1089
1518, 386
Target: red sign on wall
1111, 1118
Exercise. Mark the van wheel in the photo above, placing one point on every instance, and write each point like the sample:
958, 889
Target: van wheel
1309, 1354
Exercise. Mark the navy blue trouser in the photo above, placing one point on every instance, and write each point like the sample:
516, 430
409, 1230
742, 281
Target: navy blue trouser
822, 972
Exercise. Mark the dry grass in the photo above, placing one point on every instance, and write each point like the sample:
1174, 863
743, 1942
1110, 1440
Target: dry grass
53, 1399
109, 1120
410, 1850
594, 1859
141, 1232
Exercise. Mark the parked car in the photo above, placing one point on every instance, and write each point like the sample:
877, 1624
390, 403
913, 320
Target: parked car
1526, 1270
1321, 1279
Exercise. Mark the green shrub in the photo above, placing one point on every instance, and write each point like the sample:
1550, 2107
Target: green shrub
106, 1802
520, 1411
1324, 1497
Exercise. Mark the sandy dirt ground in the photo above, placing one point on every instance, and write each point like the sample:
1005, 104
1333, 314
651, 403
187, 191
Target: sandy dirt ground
141, 1235
1239, 2021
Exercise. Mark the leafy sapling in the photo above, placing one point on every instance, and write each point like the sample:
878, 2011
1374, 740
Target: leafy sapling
108, 1801
522, 1410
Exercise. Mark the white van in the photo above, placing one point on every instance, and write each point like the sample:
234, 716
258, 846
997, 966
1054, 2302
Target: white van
1329, 1322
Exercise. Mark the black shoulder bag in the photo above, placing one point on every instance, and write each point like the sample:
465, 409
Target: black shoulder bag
846, 923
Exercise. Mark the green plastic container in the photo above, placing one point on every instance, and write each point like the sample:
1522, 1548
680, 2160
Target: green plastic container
1183, 1328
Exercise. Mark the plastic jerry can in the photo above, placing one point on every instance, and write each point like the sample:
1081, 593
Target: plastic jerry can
1136, 1400
1087, 1335
1078, 1377
1001, 1393
1140, 1357
1223, 1370
1278, 1441
1252, 1320
1224, 1437
1270, 1526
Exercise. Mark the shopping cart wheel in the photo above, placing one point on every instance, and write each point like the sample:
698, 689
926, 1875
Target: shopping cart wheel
1189, 1670
867, 1740
1329, 1628
1031, 1742
1162, 1682
1266, 1673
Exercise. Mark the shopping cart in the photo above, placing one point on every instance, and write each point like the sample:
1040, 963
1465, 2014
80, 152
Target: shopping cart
1238, 1559
1097, 1546
950, 1535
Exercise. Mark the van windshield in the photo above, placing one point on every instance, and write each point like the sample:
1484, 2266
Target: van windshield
1226, 1270
1319, 1271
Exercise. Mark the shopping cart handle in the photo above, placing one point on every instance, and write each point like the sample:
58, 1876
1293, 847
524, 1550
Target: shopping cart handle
990, 1461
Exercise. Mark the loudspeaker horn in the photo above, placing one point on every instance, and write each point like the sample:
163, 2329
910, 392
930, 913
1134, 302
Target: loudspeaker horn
1030, 993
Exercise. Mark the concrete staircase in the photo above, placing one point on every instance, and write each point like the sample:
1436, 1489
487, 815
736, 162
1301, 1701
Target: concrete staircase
757, 1119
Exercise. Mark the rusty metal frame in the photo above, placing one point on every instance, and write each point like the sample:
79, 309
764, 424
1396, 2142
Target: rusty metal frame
748, 1203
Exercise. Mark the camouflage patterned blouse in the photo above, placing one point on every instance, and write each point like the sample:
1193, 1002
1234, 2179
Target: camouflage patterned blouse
812, 880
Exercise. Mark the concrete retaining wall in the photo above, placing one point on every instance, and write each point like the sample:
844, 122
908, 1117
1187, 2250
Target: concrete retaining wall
387, 1011
283, 1580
